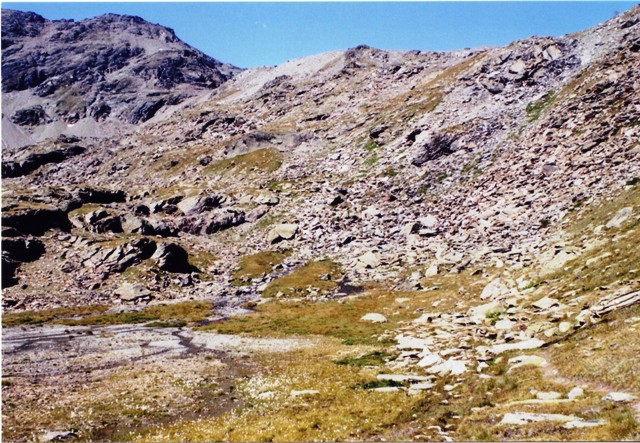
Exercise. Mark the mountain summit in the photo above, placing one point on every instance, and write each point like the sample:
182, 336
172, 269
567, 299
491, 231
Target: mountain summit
98, 75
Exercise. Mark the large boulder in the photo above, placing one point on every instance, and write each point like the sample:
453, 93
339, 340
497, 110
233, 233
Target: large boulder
212, 222
621, 216
369, 260
171, 257
197, 205
428, 148
32, 116
100, 221
147, 226
285, 231
132, 293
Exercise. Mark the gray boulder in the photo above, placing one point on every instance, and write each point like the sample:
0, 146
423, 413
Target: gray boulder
171, 257
285, 231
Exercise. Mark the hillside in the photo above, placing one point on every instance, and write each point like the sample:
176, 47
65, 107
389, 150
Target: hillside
357, 245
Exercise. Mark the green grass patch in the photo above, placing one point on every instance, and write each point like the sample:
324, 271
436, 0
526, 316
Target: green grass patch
176, 314
372, 159
370, 146
48, 315
318, 276
256, 265
189, 311
338, 319
534, 109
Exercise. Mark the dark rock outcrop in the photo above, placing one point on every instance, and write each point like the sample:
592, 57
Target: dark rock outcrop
434, 147
36, 220
32, 116
34, 161
17, 250
211, 222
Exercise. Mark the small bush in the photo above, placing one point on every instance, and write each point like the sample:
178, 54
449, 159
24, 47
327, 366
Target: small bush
376, 358
370, 146
378, 384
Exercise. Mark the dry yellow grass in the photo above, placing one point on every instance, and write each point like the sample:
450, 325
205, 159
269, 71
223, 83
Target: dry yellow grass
340, 411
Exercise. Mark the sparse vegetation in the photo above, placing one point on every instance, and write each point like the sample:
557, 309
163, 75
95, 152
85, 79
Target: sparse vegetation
376, 358
48, 315
93, 315
370, 146
535, 109
264, 160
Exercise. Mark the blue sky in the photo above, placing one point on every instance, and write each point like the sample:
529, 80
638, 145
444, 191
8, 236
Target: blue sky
256, 34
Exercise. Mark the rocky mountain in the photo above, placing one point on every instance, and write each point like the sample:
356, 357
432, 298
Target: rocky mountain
465, 222
94, 77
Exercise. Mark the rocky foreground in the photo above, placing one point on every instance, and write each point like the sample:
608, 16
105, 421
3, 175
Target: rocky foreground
359, 245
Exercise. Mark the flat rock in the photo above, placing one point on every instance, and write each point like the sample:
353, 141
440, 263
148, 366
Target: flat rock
388, 389
494, 290
374, 318
429, 360
481, 312
504, 325
370, 260
577, 424
621, 397
545, 303
564, 326
452, 367
575, 393
424, 386
621, 216
523, 418
57, 436
533, 343
406, 343
551, 395
131, 292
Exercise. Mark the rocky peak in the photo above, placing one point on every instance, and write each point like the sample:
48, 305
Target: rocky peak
20, 24
110, 69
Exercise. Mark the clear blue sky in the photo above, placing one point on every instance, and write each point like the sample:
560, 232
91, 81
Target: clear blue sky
257, 34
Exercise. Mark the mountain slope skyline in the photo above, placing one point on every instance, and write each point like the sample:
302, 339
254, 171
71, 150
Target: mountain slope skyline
267, 34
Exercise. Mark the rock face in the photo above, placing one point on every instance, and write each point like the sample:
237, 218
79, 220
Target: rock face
111, 68
34, 161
